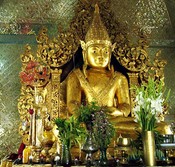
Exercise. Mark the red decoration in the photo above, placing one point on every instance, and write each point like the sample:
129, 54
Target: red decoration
27, 78
35, 74
31, 111
31, 65
20, 150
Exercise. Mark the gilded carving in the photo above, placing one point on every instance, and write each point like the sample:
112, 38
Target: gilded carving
57, 51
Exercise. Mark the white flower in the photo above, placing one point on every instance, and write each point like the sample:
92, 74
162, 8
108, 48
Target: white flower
149, 104
135, 112
136, 108
156, 104
139, 99
148, 100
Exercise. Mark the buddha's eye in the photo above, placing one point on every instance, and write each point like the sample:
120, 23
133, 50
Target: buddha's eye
105, 52
94, 51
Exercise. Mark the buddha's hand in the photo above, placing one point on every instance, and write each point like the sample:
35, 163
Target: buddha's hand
114, 112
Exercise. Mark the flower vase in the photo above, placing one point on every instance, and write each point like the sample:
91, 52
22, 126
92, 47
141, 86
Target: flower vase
66, 160
103, 161
90, 146
149, 149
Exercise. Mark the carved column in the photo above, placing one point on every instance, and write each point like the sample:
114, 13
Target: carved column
133, 81
55, 95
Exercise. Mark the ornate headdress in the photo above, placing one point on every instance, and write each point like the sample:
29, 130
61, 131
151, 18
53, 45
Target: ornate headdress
97, 32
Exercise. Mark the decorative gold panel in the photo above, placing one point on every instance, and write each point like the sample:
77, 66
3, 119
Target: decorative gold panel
151, 16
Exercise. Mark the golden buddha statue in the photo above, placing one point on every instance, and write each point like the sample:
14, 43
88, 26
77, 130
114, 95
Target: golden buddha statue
97, 81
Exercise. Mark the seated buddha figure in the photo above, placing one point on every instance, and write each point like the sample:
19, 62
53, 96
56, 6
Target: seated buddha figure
97, 81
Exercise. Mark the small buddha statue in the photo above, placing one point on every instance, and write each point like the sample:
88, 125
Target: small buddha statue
97, 81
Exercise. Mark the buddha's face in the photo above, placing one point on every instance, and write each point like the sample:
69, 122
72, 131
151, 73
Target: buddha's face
98, 55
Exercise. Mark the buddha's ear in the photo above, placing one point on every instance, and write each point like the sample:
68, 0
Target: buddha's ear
84, 56
83, 45
113, 46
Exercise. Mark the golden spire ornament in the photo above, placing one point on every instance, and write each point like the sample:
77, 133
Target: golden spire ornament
97, 32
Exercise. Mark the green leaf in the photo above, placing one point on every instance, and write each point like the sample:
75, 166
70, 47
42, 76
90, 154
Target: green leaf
70, 130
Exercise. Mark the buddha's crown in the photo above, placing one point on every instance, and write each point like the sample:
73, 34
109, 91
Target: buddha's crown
97, 32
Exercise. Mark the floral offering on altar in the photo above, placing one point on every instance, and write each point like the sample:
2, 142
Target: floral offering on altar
151, 103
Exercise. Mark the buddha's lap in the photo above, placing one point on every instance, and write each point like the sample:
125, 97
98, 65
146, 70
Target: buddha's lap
128, 128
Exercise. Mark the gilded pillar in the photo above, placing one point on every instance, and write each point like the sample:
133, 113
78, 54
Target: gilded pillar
55, 95
133, 80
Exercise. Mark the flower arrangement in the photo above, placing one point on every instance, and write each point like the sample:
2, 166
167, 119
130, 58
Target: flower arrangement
35, 74
85, 113
96, 117
150, 104
70, 131
104, 131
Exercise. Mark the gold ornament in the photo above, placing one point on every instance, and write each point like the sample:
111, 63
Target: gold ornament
97, 32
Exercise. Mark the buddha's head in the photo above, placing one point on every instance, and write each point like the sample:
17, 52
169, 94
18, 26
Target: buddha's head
97, 46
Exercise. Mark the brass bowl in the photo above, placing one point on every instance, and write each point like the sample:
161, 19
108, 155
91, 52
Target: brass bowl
123, 141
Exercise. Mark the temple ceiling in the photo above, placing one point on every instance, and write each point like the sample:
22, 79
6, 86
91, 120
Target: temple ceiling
155, 17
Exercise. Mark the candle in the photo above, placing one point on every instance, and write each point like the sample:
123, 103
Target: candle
39, 131
34, 129
31, 111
